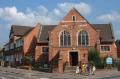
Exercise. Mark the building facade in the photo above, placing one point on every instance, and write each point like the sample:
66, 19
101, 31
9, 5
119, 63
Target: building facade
118, 48
22, 40
68, 42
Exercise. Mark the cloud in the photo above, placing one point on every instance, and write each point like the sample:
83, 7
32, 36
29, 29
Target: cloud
11, 15
57, 12
30, 17
117, 33
82, 7
110, 17
40, 14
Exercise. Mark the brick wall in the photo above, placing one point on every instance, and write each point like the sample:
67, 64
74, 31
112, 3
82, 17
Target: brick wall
58, 56
30, 40
73, 28
112, 52
39, 55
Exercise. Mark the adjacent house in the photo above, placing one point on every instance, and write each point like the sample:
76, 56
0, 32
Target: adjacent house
118, 48
67, 42
1, 54
22, 42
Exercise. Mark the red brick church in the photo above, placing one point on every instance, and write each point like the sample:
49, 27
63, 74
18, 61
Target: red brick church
68, 42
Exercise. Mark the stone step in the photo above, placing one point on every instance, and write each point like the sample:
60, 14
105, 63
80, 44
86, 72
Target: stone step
70, 69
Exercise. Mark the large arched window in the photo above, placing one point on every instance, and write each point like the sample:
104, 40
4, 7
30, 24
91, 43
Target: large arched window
83, 38
65, 38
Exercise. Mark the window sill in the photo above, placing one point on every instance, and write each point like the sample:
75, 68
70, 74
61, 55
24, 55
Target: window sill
105, 51
65, 46
83, 46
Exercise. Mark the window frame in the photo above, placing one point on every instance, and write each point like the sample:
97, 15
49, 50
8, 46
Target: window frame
45, 51
73, 18
19, 43
81, 39
104, 48
12, 46
70, 36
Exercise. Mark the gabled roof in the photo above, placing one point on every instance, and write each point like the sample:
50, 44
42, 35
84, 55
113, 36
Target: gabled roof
117, 42
20, 30
43, 35
106, 34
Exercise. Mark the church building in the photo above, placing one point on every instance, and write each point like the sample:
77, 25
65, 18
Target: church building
68, 42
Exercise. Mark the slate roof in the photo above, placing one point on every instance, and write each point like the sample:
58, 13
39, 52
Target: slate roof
43, 35
20, 30
117, 42
106, 34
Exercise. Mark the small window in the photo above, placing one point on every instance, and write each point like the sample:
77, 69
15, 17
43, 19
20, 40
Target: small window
105, 48
45, 49
73, 18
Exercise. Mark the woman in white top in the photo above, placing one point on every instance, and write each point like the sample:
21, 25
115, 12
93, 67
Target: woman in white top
77, 70
93, 70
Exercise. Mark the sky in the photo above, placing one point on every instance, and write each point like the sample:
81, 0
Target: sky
30, 12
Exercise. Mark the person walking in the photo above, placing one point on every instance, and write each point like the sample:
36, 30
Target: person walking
93, 70
83, 69
88, 69
80, 69
77, 70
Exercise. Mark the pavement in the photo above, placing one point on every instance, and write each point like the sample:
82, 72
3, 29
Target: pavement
13, 73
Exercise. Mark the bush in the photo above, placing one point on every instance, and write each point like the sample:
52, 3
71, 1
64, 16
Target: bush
28, 60
103, 62
94, 57
43, 67
118, 65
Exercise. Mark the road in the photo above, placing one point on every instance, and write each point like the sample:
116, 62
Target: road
16, 76
12, 73
112, 77
7, 75
23, 75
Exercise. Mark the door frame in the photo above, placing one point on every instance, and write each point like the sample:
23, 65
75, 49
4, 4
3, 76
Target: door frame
77, 51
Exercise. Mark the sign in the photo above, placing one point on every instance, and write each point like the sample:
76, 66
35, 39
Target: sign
109, 60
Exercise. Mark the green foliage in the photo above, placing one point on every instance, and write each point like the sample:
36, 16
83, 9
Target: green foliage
118, 65
28, 59
94, 57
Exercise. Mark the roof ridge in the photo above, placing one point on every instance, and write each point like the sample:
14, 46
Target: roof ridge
20, 26
50, 25
102, 23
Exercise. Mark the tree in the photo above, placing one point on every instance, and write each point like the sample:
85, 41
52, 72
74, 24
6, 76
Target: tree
94, 57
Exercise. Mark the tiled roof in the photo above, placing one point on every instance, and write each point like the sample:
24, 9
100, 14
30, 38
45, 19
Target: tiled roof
117, 42
20, 30
43, 35
106, 34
